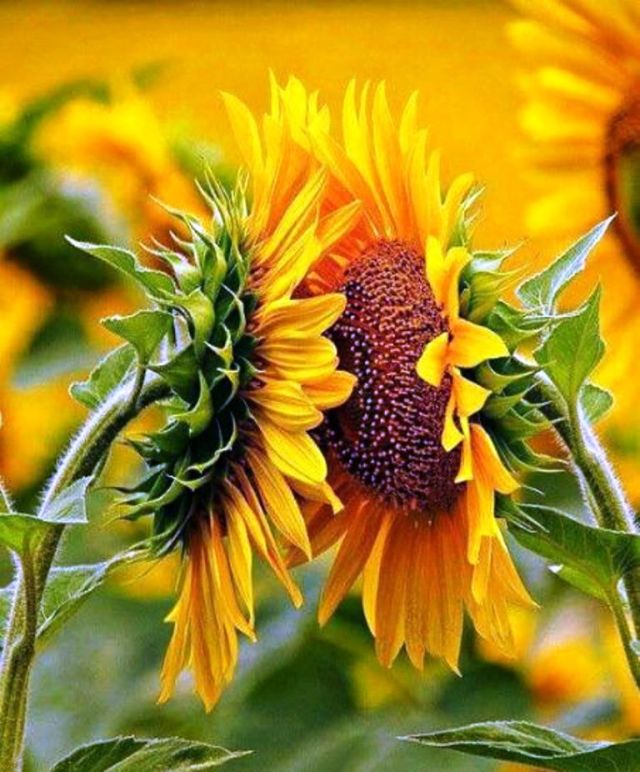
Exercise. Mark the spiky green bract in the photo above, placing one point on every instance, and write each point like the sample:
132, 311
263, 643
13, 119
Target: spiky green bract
195, 339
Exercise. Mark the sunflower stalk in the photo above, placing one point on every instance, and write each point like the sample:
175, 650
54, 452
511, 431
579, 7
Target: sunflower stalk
605, 497
83, 457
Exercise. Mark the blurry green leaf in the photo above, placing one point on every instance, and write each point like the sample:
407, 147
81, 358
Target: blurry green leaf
70, 506
59, 347
37, 211
573, 349
538, 746
18, 530
143, 755
108, 374
144, 330
157, 284
596, 402
594, 559
541, 291
69, 587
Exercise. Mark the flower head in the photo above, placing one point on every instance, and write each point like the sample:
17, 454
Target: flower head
418, 452
248, 373
582, 120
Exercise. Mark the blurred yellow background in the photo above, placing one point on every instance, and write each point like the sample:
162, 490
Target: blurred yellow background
455, 53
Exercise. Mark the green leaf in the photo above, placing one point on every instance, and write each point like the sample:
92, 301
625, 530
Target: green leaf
17, 531
593, 559
108, 374
157, 284
69, 587
573, 349
131, 754
144, 330
596, 402
541, 291
70, 505
538, 746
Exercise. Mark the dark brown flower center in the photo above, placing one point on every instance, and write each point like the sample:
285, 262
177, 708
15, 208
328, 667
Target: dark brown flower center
388, 434
622, 170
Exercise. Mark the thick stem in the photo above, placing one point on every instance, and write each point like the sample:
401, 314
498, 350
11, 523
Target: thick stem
602, 489
82, 458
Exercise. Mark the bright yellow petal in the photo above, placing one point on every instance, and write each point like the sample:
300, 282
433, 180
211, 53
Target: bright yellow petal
279, 502
294, 453
433, 360
469, 396
285, 404
472, 344
486, 455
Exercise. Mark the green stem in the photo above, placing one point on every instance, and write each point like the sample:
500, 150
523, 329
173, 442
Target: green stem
83, 457
603, 493
626, 635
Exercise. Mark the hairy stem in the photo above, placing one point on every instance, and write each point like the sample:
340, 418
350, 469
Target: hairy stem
86, 452
603, 493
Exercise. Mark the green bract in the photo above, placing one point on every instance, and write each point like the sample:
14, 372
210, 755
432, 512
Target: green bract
195, 339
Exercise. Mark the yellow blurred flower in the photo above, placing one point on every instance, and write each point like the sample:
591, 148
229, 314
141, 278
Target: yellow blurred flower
582, 117
123, 145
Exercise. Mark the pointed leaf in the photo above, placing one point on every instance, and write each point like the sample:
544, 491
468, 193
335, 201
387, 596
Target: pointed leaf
542, 290
144, 330
70, 506
590, 557
106, 376
157, 284
17, 531
573, 349
130, 754
538, 746
596, 402
69, 587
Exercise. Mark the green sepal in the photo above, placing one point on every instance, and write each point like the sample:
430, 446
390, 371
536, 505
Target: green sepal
200, 415
202, 316
107, 375
144, 330
156, 284
181, 372
595, 401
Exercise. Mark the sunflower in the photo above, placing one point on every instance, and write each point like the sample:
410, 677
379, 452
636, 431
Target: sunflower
249, 374
582, 118
411, 458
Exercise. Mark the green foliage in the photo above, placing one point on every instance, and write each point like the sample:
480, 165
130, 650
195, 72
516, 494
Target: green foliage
538, 746
107, 375
541, 292
144, 330
143, 755
572, 350
593, 559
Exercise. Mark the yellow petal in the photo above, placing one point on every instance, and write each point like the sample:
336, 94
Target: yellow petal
465, 472
469, 396
301, 358
487, 457
279, 501
308, 316
240, 556
436, 269
286, 404
433, 360
472, 344
332, 391
451, 435
294, 453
